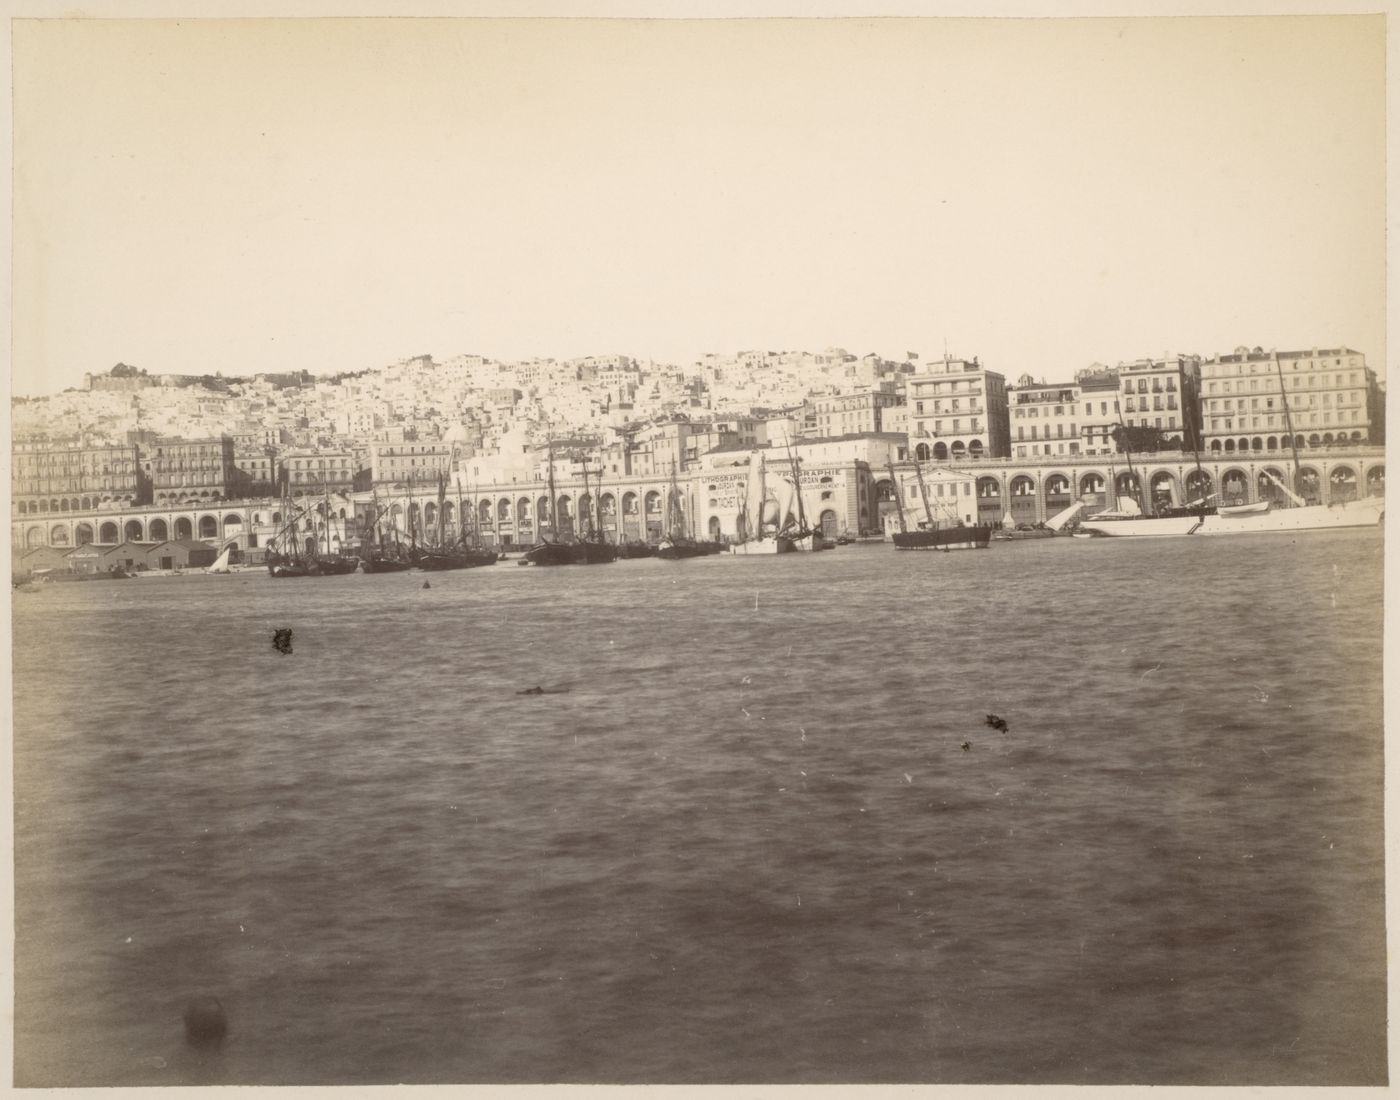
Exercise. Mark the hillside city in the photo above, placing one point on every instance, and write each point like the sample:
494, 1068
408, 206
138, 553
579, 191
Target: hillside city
129, 438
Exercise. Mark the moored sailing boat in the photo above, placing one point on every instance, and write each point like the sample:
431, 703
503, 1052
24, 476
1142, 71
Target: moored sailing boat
596, 549
440, 555
760, 535
383, 555
677, 543
930, 535
1256, 517
550, 551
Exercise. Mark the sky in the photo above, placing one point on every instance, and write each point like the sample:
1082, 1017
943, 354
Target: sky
237, 196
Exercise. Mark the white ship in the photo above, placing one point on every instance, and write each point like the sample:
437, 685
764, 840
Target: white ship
1261, 517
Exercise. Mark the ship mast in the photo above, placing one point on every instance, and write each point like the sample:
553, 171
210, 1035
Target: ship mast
796, 488
585, 514
598, 502
899, 499
1128, 454
442, 500
1288, 423
923, 492
553, 526
326, 497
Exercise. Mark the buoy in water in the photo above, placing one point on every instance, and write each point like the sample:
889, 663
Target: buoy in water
205, 1021
426, 585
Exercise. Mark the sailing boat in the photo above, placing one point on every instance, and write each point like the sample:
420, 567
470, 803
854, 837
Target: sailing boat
440, 555
286, 557
931, 535
332, 562
1259, 517
677, 543
765, 515
220, 564
550, 551
596, 549
382, 557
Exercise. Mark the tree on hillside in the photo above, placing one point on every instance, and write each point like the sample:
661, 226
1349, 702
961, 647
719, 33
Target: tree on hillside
1140, 439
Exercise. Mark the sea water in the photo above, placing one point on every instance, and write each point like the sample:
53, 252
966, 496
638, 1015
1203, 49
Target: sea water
756, 830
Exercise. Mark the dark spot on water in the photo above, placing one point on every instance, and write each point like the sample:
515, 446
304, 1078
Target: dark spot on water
282, 639
966, 746
205, 1021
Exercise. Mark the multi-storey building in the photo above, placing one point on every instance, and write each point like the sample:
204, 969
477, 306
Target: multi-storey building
318, 471
409, 463
45, 477
1162, 394
1100, 409
254, 469
958, 409
851, 413
189, 469
1253, 400
1045, 417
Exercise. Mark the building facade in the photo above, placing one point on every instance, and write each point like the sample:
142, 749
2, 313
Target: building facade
184, 470
409, 464
55, 479
852, 413
315, 471
1161, 394
958, 409
1256, 400
1045, 418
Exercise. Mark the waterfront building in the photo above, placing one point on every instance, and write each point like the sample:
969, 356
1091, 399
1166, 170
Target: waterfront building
46, 478
1026, 491
255, 470
183, 470
1100, 410
846, 414
958, 409
1332, 399
1162, 394
1045, 417
950, 498
315, 471
407, 463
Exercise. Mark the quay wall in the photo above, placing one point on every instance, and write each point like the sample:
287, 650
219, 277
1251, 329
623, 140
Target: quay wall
839, 496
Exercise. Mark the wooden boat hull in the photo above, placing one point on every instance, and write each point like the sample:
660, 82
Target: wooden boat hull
553, 553
471, 559
945, 538
385, 565
764, 546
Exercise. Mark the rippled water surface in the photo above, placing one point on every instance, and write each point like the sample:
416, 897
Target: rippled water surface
747, 842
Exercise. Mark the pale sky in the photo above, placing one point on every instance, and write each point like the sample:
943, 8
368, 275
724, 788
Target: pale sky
241, 196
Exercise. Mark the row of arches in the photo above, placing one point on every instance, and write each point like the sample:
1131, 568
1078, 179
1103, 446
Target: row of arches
157, 529
69, 504
516, 519
1259, 444
1029, 501
941, 452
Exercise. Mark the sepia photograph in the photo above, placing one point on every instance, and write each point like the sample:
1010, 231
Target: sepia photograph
978, 427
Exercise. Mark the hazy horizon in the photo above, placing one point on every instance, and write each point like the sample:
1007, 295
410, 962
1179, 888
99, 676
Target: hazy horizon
251, 196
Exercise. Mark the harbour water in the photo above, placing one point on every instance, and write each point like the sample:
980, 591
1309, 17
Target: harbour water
762, 832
